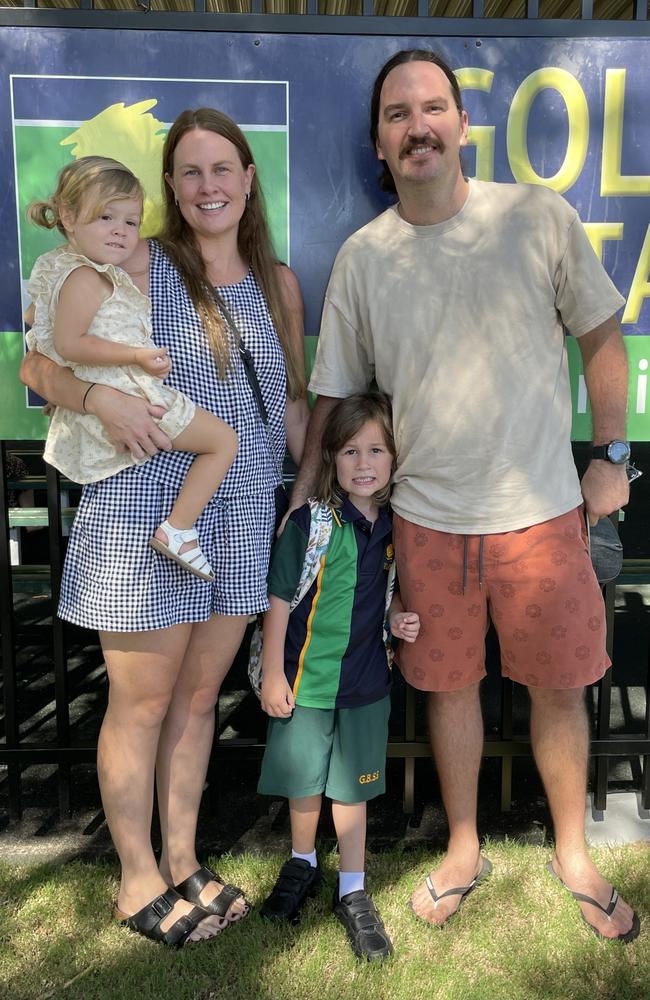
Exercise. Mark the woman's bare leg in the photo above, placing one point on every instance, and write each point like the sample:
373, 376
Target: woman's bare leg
185, 743
142, 669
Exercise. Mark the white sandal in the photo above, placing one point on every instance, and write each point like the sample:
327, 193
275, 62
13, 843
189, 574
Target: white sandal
193, 559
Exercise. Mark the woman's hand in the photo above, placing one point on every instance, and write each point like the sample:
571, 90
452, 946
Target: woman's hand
277, 697
128, 421
153, 360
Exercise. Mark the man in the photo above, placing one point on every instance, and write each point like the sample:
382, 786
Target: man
455, 300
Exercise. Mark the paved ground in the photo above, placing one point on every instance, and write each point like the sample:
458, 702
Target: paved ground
623, 822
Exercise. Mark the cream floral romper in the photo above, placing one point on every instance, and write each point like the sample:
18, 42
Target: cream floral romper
77, 444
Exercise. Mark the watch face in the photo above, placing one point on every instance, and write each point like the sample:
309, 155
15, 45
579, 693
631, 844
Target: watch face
618, 452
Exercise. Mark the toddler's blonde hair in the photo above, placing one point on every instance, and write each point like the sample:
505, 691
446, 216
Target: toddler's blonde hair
85, 186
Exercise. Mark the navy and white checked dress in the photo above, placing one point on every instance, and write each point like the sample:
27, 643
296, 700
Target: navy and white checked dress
112, 579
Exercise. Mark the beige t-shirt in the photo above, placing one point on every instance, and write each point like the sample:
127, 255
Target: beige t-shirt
461, 324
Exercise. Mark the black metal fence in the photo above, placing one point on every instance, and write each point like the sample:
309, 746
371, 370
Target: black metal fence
54, 686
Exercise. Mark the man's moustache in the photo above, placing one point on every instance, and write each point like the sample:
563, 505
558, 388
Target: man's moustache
411, 145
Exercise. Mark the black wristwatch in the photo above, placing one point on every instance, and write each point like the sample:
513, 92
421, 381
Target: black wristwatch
618, 452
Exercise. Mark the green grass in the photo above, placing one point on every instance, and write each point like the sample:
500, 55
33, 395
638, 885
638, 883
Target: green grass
519, 937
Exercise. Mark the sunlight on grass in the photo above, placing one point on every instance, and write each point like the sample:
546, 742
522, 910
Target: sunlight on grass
518, 937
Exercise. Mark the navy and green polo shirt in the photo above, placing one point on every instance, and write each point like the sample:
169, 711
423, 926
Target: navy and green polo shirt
334, 653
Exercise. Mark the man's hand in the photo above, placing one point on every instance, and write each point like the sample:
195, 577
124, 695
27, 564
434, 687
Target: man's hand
604, 485
154, 360
128, 421
277, 697
604, 489
405, 625
281, 526
311, 457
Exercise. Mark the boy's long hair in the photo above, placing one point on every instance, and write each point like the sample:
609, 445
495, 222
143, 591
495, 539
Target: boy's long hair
346, 419
254, 241
85, 186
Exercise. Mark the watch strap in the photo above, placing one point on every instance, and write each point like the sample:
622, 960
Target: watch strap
608, 451
599, 451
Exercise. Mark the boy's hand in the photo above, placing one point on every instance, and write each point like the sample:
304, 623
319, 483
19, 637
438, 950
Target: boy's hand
154, 360
277, 697
405, 625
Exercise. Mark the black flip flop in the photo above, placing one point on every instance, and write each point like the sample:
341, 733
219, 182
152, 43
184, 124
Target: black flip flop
463, 891
607, 910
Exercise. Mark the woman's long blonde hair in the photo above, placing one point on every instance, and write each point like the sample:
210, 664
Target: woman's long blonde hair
345, 420
253, 240
85, 185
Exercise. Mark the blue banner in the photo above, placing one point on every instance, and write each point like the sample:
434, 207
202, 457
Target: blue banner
568, 113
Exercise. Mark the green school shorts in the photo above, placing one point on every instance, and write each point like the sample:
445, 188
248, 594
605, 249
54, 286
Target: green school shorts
338, 751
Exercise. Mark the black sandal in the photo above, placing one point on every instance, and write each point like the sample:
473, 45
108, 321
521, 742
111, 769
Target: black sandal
147, 921
192, 887
363, 925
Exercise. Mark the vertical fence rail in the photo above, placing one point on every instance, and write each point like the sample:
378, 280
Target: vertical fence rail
645, 784
601, 766
506, 735
9, 680
61, 695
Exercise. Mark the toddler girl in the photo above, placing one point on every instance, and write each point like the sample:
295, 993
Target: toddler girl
325, 676
88, 315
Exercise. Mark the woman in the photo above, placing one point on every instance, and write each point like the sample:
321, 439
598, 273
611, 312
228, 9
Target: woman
169, 639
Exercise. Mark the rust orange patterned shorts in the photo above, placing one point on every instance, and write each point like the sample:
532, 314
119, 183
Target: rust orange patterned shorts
538, 587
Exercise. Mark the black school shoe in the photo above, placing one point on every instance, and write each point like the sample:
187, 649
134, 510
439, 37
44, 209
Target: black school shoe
295, 883
363, 925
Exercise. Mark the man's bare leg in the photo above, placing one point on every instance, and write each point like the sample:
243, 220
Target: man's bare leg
560, 738
456, 732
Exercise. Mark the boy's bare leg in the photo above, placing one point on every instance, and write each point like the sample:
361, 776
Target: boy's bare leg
304, 814
352, 905
299, 877
350, 825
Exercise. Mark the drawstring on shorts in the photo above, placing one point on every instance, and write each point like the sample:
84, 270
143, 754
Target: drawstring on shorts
481, 540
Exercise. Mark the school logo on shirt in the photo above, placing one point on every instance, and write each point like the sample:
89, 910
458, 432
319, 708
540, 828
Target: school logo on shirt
389, 558
365, 779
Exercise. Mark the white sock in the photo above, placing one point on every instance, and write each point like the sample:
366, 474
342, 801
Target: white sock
350, 882
311, 858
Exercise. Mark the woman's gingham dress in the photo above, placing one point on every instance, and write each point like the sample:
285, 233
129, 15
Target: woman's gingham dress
113, 580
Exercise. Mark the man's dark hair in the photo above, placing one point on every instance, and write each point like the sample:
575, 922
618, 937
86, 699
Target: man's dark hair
386, 182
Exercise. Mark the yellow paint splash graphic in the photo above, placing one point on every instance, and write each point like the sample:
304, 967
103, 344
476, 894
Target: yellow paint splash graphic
134, 137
